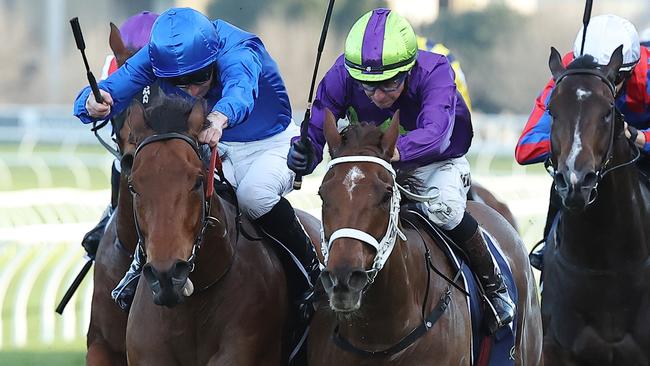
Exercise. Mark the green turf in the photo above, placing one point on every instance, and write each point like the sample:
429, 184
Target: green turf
54, 357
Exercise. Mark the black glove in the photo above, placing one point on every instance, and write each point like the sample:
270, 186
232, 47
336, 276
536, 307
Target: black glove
301, 157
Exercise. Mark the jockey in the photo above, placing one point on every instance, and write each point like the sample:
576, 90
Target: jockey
250, 116
439, 48
604, 34
381, 72
135, 35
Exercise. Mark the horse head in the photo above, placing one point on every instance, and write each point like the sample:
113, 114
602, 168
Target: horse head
584, 125
358, 193
167, 180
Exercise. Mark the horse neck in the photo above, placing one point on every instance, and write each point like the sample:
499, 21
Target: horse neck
216, 253
126, 231
614, 226
388, 311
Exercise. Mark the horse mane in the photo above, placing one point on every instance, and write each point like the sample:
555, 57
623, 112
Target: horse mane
583, 62
170, 114
365, 139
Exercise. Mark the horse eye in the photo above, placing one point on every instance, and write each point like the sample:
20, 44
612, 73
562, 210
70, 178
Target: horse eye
131, 188
387, 197
198, 184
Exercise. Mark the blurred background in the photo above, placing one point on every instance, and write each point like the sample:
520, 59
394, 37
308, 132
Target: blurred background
54, 176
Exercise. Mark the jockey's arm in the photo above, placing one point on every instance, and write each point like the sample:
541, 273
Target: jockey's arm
435, 123
331, 94
122, 85
239, 73
534, 144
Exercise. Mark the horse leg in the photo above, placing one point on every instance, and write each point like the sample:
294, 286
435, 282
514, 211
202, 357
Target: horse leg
99, 354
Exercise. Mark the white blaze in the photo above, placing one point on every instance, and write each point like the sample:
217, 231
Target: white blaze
582, 94
354, 175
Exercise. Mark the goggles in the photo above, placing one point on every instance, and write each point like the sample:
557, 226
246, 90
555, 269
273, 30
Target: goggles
197, 77
386, 86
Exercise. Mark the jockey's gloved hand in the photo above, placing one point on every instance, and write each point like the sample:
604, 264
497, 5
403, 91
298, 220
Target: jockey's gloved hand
301, 156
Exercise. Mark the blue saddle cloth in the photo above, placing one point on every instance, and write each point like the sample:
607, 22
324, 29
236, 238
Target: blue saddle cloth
503, 347
502, 350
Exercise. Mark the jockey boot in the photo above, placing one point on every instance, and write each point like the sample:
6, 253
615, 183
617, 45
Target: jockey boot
501, 306
536, 256
125, 290
90, 241
282, 224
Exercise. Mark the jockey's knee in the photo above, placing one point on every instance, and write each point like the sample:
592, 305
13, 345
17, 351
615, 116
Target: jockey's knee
256, 200
448, 213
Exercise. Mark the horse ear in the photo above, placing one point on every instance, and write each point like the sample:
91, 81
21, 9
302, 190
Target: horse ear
615, 62
196, 121
137, 123
117, 45
555, 63
389, 139
332, 135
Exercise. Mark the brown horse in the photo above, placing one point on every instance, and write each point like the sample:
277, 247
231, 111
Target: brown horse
595, 303
224, 296
106, 338
376, 314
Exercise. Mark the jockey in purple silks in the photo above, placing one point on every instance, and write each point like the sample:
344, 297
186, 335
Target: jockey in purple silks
381, 72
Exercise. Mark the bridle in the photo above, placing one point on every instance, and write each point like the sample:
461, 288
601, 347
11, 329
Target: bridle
607, 158
383, 247
206, 192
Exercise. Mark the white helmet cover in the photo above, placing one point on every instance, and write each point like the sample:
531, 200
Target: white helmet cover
604, 34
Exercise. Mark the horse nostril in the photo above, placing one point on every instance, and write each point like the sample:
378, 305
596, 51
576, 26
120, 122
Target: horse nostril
180, 270
328, 280
560, 182
590, 180
358, 280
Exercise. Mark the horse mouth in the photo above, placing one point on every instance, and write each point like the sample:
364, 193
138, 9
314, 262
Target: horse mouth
345, 303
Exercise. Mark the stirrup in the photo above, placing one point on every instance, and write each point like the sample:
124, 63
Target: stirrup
536, 255
501, 309
91, 239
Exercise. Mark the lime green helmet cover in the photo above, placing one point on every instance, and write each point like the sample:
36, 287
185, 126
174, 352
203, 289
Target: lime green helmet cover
380, 45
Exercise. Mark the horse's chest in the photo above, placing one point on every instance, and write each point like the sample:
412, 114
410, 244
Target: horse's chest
602, 316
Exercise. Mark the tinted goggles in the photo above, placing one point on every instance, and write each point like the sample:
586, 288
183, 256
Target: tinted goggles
386, 86
198, 77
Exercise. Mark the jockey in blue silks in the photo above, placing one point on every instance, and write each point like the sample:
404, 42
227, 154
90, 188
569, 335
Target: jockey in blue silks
250, 116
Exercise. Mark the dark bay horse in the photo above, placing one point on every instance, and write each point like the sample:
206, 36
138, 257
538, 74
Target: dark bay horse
106, 336
595, 304
208, 295
373, 314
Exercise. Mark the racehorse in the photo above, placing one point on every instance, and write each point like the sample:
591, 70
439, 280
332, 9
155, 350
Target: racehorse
107, 329
376, 311
223, 296
481, 194
595, 304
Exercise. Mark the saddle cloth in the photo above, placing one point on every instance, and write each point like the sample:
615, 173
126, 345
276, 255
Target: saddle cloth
502, 347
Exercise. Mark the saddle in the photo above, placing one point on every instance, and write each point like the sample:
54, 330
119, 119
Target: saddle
491, 350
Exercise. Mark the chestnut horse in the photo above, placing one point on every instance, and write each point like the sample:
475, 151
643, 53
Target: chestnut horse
375, 310
595, 303
107, 329
208, 294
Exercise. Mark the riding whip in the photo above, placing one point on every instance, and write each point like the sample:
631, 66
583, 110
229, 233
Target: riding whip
73, 287
304, 126
585, 22
81, 45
